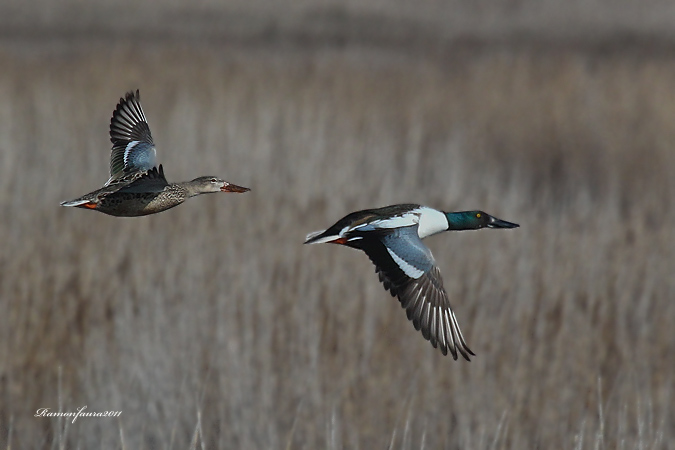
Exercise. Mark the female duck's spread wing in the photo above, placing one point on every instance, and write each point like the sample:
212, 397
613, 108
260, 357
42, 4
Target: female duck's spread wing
133, 149
408, 270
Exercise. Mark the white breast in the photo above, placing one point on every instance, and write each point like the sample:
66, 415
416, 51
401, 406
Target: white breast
431, 221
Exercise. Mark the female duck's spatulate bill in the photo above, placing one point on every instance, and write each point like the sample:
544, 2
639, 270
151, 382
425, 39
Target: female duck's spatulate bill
392, 238
136, 186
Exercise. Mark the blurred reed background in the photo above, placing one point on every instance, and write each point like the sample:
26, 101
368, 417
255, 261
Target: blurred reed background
212, 326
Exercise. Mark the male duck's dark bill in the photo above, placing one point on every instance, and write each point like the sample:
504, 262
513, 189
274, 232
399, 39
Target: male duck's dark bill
498, 223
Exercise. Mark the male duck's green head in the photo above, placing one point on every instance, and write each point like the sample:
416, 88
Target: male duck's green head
474, 220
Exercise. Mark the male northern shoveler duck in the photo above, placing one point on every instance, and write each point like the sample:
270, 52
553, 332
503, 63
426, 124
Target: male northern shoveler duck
136, 186
392, 239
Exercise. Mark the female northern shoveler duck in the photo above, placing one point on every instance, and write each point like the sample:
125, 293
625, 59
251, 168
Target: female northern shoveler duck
392, 238
136, 186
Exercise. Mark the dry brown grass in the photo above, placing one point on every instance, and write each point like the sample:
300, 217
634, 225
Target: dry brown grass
210, 325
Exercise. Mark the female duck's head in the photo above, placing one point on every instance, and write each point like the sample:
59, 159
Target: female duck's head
206, 185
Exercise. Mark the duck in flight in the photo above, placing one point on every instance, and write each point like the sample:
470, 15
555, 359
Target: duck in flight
392, 239
137, 186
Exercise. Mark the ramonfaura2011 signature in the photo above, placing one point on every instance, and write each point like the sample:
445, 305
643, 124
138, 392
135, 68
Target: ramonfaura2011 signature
45, 412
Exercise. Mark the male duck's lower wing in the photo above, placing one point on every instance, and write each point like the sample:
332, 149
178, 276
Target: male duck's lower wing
422, 295
408, 270
428, 307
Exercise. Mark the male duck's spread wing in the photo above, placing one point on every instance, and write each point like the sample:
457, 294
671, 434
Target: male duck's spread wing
147, 182
133, 149
408, 270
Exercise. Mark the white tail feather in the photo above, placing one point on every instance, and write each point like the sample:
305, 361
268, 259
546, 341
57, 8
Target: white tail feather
324, 239
313, 234
74, 203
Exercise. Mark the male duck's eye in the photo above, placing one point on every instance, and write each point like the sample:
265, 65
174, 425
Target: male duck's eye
478, 216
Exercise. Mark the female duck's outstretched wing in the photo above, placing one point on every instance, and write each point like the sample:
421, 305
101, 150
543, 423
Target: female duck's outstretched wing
408, 270
133, 149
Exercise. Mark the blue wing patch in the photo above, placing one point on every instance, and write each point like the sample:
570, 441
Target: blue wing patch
140, 155
408, 251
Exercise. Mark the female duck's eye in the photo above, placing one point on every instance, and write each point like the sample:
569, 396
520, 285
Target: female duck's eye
213, 180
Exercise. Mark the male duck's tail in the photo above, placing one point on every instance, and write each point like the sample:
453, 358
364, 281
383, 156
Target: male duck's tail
317, 237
